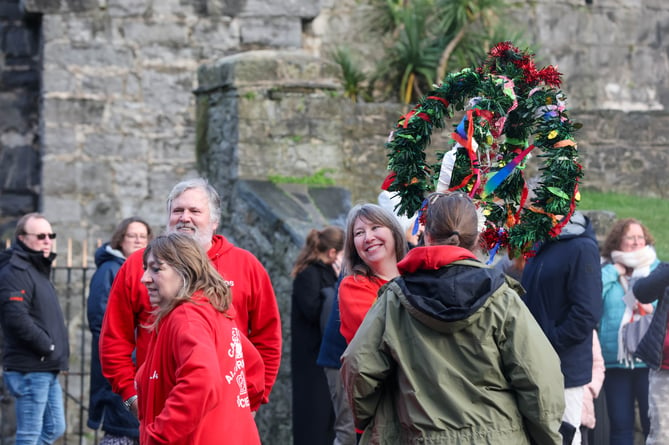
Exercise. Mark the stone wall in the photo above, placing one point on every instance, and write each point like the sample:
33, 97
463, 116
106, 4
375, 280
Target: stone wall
20, 146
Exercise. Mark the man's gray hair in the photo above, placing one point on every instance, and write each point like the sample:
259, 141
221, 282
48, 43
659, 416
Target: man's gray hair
197, 183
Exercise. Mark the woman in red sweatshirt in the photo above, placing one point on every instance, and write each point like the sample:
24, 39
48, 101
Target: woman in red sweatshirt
374, 244
191, 387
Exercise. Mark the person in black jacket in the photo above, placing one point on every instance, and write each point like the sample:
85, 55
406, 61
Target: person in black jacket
654, 350
316, 268
106, 408
36, 342
564, 293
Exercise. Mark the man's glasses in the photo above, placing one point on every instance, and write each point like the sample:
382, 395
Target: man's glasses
42, 236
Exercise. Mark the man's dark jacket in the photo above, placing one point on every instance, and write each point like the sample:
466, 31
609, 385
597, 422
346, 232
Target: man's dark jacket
31, 317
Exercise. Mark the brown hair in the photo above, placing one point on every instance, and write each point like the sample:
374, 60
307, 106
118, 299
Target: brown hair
375, 214
317, 244
451, 219
190, 261
615, 236
122, 228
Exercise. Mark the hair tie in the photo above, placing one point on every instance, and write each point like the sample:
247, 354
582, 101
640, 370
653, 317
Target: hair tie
455, 232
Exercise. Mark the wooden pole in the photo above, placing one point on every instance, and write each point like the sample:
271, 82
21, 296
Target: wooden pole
69, 252
84, 249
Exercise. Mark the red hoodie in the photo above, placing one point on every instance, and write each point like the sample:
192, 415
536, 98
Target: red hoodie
357, 293
129, 308
191, 387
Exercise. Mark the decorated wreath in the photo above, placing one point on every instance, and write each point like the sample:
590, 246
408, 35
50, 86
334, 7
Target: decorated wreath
510, 109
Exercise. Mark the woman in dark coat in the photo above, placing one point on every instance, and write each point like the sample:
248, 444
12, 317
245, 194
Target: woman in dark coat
317, 267
106, 408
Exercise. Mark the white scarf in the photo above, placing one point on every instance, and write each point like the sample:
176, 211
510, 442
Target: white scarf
640, 261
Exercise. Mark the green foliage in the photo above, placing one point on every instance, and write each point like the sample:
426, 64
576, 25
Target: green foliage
652, 212
352, 75
424, 39
318, 179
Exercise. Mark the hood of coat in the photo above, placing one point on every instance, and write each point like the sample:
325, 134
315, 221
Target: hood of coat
448, 287
106, 253
579, 225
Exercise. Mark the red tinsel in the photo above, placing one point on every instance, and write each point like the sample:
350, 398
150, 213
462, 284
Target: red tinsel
505, 52
491, 236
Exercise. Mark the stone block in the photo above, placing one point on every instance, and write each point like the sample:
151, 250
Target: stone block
19, 168
273, 32
298, 8
57, 80
104, 147
18, 204
222, 36
73, 111
10, 10
63, 210
217, 8
15, 79
131, 179
128, 8
95, 54
61, 178
54, 6
169, 33
20, 41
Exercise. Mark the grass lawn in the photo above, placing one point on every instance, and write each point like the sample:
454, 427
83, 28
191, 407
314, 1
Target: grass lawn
652, 212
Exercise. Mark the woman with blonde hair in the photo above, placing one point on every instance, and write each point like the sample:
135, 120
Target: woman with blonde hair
191, 388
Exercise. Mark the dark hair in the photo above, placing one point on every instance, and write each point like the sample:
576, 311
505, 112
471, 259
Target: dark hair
451, 219
190, 261
122, 228
21, 223
316, 244
616, 233
375, 214
197, 183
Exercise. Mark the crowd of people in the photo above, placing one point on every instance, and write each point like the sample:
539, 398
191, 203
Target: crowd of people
400, 332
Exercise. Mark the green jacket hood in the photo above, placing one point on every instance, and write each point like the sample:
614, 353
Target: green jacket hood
446, 295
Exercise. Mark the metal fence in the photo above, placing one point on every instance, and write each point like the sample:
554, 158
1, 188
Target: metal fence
71, 283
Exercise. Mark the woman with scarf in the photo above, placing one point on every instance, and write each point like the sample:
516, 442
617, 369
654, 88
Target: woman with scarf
627, 255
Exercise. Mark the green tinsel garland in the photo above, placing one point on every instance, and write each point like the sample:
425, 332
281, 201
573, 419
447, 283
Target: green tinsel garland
514, 105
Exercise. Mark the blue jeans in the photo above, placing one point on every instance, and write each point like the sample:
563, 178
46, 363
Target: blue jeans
623, 387
40, 415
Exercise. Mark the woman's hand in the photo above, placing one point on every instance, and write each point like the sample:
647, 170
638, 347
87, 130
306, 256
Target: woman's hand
647, 308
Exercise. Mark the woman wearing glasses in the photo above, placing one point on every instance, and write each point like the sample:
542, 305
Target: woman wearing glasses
449, 353
106, 408
627, 255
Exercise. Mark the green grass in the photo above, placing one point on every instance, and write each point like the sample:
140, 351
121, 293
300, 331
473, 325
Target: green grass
652, 212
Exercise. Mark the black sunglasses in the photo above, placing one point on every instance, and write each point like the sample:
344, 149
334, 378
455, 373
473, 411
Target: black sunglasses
41, 236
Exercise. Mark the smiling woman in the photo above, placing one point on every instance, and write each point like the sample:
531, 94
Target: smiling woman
374, 244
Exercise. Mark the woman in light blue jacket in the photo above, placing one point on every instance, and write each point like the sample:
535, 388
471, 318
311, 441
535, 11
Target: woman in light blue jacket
628, 255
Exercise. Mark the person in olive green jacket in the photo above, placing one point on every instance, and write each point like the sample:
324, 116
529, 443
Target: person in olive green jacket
449, 354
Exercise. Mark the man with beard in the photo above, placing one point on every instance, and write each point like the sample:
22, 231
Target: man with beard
193, 208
